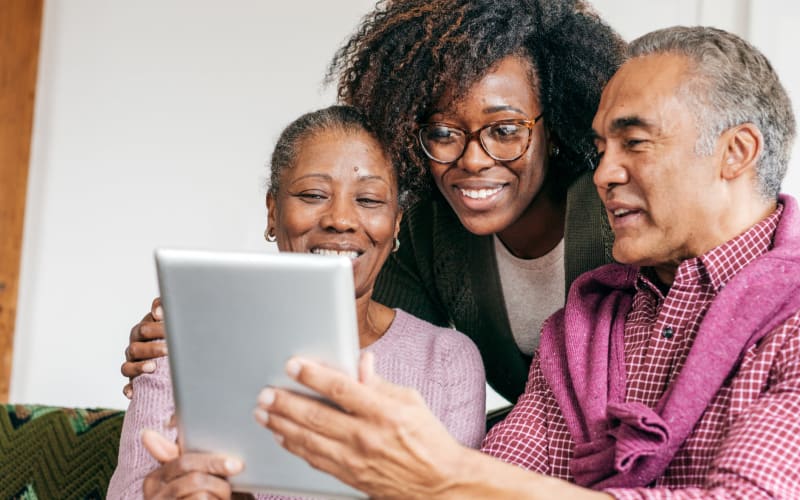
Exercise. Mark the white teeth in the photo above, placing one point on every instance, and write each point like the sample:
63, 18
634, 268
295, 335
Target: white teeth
480, 194
345, 253
621, 211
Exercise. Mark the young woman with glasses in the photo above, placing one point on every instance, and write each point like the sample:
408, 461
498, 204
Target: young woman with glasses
491, 101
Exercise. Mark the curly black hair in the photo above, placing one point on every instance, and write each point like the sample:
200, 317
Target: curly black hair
406, 53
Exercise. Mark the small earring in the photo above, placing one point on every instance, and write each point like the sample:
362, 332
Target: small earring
269, 235
554, 151
396, 246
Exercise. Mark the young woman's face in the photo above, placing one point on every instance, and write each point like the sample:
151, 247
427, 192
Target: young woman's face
489, 195
340, 197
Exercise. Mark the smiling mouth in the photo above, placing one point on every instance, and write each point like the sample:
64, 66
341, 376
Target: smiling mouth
350, 254
622, 212
480, 194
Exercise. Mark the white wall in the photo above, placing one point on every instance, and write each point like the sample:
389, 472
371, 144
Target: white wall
153, 122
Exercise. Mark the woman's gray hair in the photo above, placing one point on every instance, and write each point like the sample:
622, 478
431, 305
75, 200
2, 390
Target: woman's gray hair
345, 119
731, 83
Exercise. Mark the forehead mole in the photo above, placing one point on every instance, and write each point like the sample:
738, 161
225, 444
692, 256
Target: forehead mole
355, 169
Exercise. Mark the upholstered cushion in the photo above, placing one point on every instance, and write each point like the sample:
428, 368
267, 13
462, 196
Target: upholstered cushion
49, 452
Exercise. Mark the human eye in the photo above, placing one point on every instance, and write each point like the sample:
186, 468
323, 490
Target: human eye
370, 201
441, 134
311, 196
634, 143
507, 131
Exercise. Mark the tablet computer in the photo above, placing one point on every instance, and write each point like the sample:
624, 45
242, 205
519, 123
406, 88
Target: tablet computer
232, 320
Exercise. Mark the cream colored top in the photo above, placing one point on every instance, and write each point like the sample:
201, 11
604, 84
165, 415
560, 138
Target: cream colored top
533, 289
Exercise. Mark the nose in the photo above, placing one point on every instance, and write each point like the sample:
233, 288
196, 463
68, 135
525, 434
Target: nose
475, 158
611, 171
340, 216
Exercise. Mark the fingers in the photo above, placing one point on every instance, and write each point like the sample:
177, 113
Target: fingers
159, 447
128, 390
366, 367
192, 475
147, 329
156, 310
133, 369
142, 351
192, 484
319, 451
334, 385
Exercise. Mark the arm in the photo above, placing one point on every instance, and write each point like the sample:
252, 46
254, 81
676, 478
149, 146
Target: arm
521, 438
150, 408
760, 455
141, 351
388, 444
460, 370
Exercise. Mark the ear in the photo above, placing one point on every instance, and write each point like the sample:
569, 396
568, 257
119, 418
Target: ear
272, 211
743, 145
397, 223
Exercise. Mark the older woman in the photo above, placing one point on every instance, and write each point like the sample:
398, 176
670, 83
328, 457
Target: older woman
333, 189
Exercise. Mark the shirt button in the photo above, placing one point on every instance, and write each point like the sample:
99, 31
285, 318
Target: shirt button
667, 333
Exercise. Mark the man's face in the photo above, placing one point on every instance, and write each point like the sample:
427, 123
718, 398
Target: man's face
662, 198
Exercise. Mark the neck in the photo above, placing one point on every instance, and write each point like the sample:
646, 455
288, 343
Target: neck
373, 320
538, 230
731, 224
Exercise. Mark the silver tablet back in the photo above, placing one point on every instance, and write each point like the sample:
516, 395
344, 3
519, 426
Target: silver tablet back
232, 320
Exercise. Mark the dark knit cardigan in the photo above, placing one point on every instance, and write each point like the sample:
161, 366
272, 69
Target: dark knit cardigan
448, 276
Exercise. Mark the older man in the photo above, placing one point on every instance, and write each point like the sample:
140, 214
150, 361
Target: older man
673, 375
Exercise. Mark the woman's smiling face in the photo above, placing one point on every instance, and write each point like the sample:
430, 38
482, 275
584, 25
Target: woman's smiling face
489, 195
339, 197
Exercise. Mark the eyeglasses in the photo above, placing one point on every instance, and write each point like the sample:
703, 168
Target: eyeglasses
504, 140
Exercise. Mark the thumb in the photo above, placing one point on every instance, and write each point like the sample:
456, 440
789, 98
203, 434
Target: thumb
159, 447
366, 367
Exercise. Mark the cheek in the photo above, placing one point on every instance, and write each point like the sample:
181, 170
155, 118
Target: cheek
380, 228
437, 172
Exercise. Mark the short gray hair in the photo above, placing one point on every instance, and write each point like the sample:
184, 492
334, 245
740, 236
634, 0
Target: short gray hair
731, 83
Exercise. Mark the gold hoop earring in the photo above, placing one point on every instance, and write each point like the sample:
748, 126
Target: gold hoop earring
396, 246
269, 235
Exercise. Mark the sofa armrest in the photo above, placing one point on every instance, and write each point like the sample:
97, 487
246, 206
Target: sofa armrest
52, 452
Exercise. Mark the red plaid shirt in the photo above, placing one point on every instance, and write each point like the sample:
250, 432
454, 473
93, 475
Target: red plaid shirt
746, 445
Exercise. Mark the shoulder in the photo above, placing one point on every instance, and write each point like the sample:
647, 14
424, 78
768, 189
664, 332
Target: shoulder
443, 343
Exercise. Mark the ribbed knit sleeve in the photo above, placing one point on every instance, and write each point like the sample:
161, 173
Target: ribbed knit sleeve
150, 408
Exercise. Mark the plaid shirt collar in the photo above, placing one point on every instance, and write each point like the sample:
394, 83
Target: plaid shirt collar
721, 263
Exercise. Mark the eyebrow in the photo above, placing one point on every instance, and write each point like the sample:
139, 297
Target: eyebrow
625, 122
326, 177
487, 111
503, 107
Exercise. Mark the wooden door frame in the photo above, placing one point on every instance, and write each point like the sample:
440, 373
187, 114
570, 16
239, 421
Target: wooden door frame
20, 31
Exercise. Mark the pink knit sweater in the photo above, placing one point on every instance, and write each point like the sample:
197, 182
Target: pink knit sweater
442, 364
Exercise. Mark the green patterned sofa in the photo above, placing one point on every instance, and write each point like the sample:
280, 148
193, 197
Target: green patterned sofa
53, 453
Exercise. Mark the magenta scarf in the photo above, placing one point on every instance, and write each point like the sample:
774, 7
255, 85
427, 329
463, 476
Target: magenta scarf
620, 444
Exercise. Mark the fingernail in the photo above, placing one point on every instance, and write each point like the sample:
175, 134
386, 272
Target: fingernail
148, 367
278, 438
233, 465
293, 367
266, 396
159, 313
262, 417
